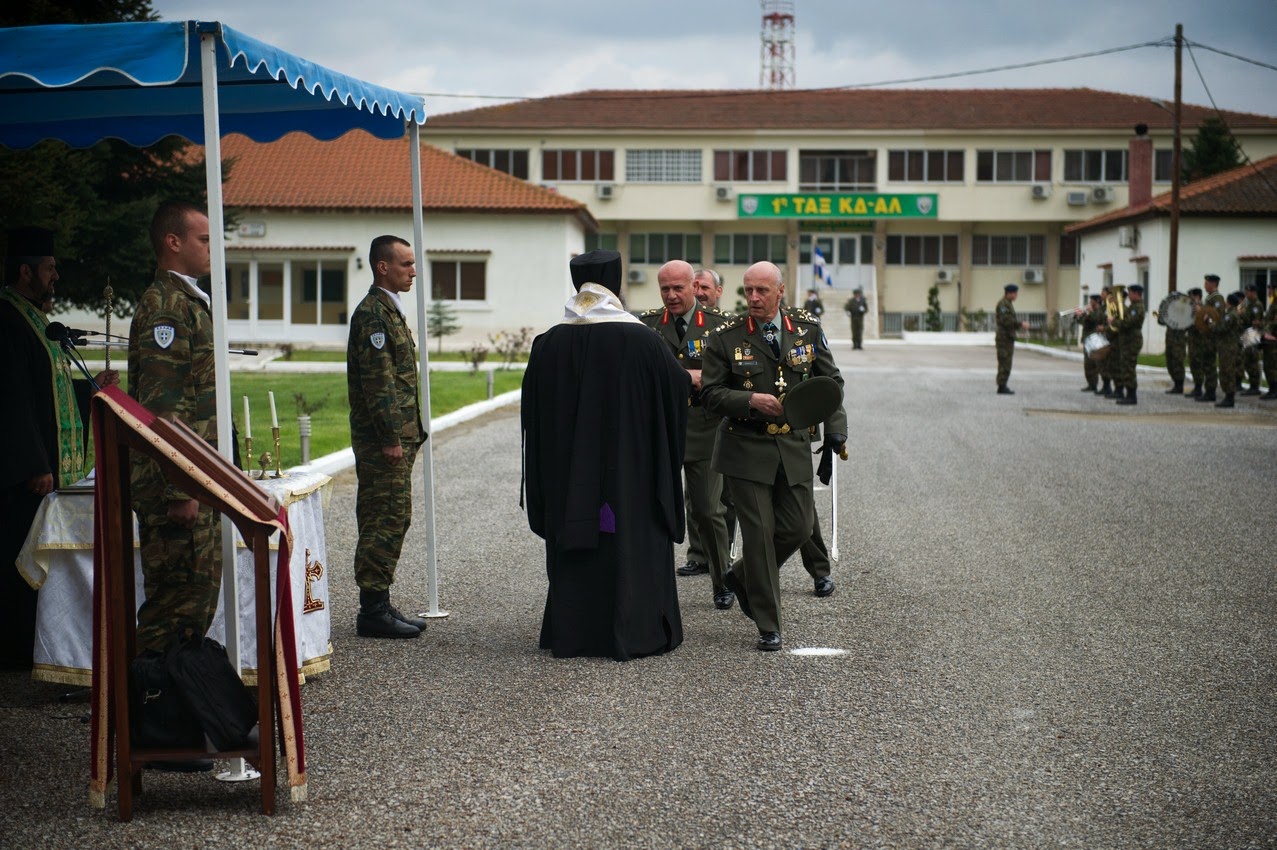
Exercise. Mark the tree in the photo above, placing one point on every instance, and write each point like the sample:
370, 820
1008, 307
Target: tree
99, 201
935, 322
441, 321
1213, 149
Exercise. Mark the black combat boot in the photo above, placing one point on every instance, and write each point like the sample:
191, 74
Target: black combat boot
375, 619
1209, 395
1254, 389
1107, 389
418, 622
1226, 402
1118, 394
1176, 389
1269, 396
1089, 388
1197, 390
1129, 398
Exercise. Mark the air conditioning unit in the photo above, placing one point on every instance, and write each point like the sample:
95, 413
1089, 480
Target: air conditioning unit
637, 276
605, 191
945, 275
1041, 191
1103, 194
1076, 199
1127, 237
724, 193
1034, 276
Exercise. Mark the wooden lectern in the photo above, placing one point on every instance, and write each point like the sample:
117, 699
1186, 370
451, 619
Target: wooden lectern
121, 425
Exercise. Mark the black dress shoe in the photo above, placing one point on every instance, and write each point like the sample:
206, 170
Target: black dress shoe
693, 568
824, 587
733, 586
1005, 391
768, 641
724, 599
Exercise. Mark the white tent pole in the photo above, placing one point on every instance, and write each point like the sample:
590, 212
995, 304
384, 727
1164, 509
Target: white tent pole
221, 364
423, 349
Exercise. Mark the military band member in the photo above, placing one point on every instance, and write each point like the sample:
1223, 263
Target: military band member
856, 307
1228, 345
1210, 340
1108, 366
1004, 337
1252, 310
1270, 347
1092, 319
684, 325
385, 433
1193, 337
749, 364
1176, 341
1130, 334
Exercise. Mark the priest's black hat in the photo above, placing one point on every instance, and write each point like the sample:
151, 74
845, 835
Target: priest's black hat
30, 242
598, 266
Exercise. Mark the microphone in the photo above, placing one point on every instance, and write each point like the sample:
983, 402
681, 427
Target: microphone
59, 332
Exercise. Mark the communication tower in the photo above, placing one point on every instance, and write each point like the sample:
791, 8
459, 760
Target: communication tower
776, 60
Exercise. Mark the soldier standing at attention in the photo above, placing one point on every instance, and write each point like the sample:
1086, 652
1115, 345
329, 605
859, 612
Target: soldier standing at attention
1228, 343
1209, 344
1196, 358
1252, 317
1004, 336
856, 307
171, 373
1092, 317
385, 434
1130, 335
749, 363
684, 324
1176, 340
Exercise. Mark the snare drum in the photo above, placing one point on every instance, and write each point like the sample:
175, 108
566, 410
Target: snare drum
1096, 346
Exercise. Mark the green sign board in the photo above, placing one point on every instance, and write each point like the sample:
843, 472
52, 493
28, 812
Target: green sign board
836, 206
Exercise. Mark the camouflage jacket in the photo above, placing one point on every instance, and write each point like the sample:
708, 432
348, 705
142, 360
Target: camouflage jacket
1133, 325
171, 371
381, 376
1253, 312
1270, 318
1005, 319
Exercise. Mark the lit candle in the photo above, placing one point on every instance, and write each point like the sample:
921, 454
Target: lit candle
248, 424
274, 420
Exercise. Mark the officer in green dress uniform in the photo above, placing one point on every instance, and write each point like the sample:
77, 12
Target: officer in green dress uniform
385, 434
749, 363
684, 324
856, 307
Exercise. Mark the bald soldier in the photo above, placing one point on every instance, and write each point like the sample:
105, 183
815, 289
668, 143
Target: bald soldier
684, 324
750, 362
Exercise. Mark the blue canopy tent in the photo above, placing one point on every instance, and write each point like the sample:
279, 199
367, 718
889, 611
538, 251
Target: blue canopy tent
139, 82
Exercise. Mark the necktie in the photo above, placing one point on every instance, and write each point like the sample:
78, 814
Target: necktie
681, 325
769, 334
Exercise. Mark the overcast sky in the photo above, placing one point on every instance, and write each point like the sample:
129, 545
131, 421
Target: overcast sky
517, 48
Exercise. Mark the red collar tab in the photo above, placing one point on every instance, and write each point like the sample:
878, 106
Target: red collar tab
749, 325
665, 319
789, 326
700, 318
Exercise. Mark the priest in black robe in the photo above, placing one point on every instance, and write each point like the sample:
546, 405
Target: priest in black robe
604, 415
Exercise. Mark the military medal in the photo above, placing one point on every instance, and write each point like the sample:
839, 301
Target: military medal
738, 354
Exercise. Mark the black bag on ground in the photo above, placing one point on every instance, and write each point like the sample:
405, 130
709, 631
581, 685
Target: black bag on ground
159, 717
223, 706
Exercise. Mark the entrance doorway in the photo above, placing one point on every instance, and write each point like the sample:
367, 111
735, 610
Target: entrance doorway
848, 260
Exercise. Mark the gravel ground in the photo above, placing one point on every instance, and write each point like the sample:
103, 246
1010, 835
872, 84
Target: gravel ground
1057, 618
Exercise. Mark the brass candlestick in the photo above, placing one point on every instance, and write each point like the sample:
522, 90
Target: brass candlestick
248, 456
275, 433
263, 461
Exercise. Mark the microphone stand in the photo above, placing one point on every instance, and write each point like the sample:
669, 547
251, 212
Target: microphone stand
68, 348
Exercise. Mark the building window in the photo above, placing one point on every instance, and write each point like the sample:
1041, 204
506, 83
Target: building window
925, 166
743, 249
1095, 166
836, 171
1264, 278
600, 241
578, 165
663, 247
1068, 250
1162, 172
929, 250
1013, 166
663, 166
458, 280
750, 166
991, 250
514, 162
321, 298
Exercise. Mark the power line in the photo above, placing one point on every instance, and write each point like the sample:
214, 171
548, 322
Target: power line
1245, 156
1230, 55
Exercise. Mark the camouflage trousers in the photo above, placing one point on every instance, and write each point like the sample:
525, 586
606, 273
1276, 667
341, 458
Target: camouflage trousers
1090, 370
1250, 362
1175, 342
1128, 355
1006, 351
1270, 364
383, 512
1196, 359
1230, 364
1210, 364
1109, 365
181, 573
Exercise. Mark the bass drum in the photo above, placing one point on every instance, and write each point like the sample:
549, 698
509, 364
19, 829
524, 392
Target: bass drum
1096, 346
1251, 337
1176, 311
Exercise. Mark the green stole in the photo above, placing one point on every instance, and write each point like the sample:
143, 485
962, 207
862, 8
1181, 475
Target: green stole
66, 412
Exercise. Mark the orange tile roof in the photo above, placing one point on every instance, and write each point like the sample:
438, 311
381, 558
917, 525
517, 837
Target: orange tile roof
835, 109
1248, 190
359, 172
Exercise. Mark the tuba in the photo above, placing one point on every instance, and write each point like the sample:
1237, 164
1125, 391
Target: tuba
1116, 306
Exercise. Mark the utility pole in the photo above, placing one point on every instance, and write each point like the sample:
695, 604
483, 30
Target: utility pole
1172, 264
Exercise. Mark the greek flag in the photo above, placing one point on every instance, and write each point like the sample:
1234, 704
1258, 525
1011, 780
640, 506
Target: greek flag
818, 267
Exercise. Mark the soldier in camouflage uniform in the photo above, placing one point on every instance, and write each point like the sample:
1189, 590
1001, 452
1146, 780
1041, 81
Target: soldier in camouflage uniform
1108, 366
1252, 310
1228, 344
856, 307
1209, 339
171, 374
385, 434
1004, 336
1092, 318
684, 325
1270, 348
1176, 340
748, 363
1196, 358
1130, 335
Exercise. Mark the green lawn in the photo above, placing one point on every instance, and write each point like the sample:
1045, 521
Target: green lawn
330, 423
319, 355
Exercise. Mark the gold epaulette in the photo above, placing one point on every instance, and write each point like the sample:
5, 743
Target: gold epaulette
803, 316
655, 311
729, 324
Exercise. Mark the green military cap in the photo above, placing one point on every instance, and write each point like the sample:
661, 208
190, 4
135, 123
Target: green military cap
812, 401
